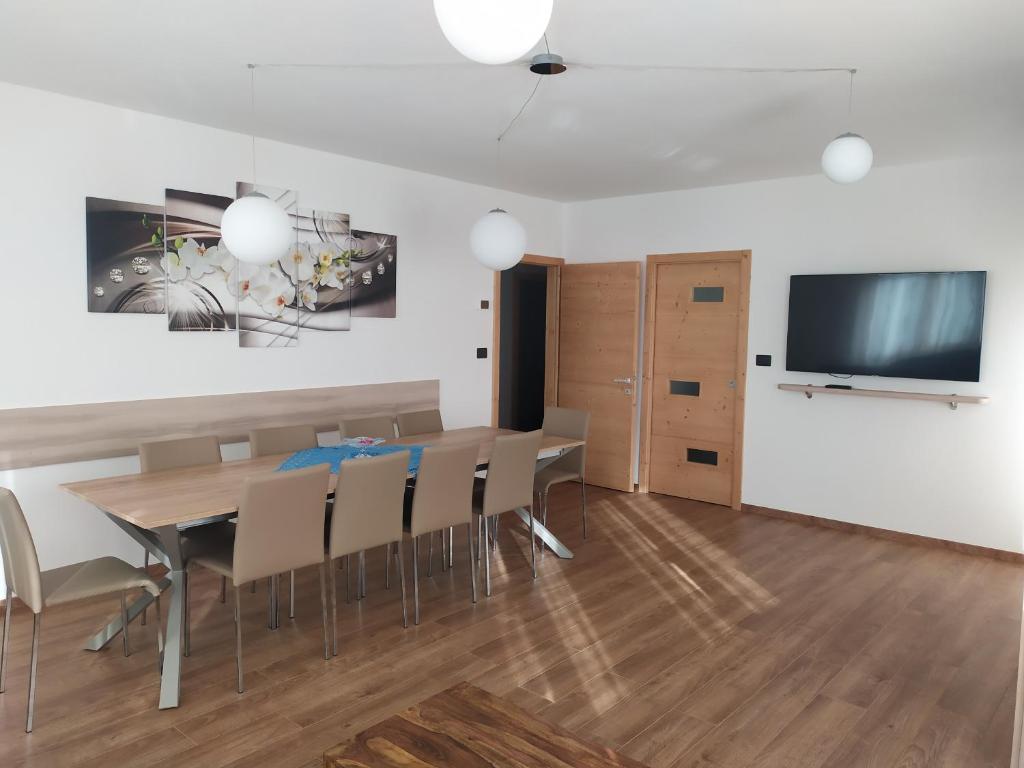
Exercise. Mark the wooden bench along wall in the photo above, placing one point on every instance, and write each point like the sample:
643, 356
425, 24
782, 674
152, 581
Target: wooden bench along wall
31, 437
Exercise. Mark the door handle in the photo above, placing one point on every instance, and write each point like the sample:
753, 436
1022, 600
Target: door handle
627, 380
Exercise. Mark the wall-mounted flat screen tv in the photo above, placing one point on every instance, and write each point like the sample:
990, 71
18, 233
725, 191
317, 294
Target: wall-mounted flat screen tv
908, 325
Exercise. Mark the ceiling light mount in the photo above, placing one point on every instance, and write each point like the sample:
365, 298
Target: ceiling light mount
547, 64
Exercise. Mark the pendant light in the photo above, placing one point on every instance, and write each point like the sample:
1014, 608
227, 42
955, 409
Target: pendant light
254, 228
498, 240
848, 157
493, 31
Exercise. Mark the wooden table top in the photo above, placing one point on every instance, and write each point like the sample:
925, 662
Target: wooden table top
157, 499
465, 726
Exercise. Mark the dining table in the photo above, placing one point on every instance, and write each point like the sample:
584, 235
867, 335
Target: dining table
157, 508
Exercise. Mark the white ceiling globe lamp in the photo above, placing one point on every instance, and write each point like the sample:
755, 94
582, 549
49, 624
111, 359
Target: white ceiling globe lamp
254, 228
498, 240
493, 31
848, 157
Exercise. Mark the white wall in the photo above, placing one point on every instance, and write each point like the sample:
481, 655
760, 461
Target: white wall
55, 151
908, 466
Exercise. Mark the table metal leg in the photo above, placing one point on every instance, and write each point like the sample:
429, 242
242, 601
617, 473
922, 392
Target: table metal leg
545, 535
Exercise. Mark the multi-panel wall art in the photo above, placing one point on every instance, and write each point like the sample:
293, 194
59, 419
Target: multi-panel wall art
171, 260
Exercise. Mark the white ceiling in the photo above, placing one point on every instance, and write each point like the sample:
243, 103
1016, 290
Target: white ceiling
937, 78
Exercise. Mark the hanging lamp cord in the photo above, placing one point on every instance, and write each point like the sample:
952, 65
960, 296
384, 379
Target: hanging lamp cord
252, 118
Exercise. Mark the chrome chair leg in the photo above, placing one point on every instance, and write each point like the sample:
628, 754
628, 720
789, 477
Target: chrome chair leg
291, 594
451, 546
223, 589
238, 639
37, 621
348, 579
487, 560
387, 566
8, 607
145, 567
361, 580
430, 554
416, 579
444, 550
472, 560
124, 625
400, 563
533, 544
583, 494
323, 608
187, 594
334, 608
494, 532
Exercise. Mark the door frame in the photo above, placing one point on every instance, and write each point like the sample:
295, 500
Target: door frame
743, 258
554, 265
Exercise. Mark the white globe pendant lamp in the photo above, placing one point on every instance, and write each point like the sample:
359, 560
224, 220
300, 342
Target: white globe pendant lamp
848, 157
493, 31
498, 240
254, 228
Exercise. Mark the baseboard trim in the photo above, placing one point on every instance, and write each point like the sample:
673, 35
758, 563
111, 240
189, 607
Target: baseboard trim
884, 533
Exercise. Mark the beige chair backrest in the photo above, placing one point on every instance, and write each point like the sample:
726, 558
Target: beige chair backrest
369, 426
280, 523
368, 503
267, 442
510, 472
179, 453
444, 488
567, 422
419, 423
21, 564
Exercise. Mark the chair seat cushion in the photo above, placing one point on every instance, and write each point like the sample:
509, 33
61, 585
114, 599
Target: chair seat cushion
549, 476
219, 560
102, 576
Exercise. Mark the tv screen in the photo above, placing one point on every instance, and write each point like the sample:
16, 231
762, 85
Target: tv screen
908, 325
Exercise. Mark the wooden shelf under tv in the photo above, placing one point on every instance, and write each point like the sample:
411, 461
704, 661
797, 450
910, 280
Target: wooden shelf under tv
952, 400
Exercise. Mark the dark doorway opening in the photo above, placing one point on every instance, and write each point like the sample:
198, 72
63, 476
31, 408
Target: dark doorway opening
523, 306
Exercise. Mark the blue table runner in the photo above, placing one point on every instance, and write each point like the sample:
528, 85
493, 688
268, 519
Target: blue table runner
336, 454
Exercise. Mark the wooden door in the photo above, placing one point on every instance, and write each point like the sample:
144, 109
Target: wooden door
599, 316
695, 348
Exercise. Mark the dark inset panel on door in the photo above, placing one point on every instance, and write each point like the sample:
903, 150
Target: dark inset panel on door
700, 456
690, 388
708, 293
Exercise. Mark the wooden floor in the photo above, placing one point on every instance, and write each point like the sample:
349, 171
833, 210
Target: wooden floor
682, 634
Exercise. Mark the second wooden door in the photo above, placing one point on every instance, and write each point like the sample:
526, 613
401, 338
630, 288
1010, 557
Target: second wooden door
694, 375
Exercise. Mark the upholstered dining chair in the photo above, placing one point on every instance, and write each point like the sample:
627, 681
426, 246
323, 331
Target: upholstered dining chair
508, 486
368, 507
368, 426
275, 440
570, 466
183, 453
442, 499
44, 589
419, 423
268, 542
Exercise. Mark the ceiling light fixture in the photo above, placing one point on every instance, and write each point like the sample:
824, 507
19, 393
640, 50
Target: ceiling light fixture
493, 31
498, 240
255, 229
848, 157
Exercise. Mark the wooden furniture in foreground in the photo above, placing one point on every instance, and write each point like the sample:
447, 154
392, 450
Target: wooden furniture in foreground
466, 727
695, 372
154, 508
762, 643
953, 400
599, 330
31, 437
